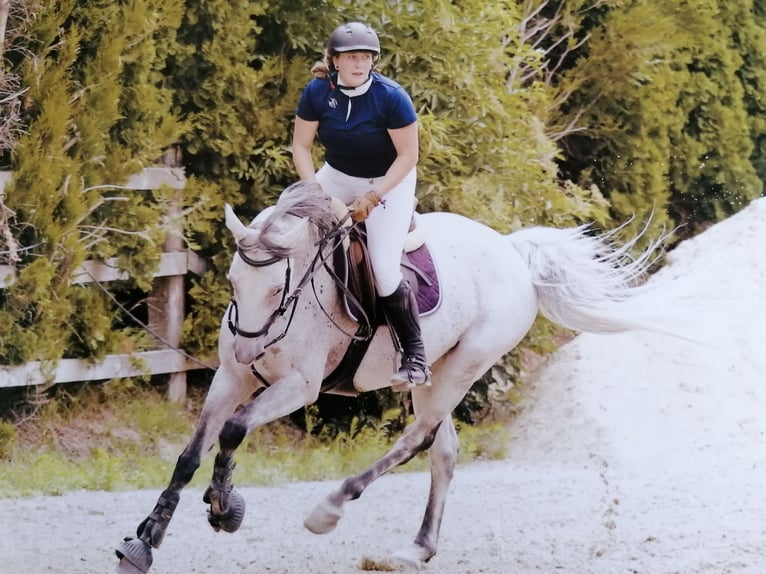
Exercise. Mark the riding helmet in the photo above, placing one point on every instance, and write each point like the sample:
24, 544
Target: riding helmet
353, 37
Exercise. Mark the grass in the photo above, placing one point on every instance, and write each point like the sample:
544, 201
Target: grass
126, 436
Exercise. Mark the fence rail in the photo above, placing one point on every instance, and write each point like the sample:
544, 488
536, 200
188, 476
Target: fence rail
166, 313
40, 373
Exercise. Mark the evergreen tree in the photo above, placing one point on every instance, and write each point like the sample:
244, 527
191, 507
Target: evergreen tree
661, 91
113, 84
95, 114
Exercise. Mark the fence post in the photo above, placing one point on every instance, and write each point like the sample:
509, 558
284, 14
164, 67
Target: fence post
166, 302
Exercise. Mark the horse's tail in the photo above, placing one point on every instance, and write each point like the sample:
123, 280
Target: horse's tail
587, 283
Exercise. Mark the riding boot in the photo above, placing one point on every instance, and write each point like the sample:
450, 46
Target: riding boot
401, 308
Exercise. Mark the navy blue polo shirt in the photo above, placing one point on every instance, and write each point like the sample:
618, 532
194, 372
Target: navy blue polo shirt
358, 145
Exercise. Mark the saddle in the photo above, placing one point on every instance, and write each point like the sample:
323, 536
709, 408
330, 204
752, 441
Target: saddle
356, 288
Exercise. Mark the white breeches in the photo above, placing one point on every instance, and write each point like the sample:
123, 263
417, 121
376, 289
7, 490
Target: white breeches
387, 225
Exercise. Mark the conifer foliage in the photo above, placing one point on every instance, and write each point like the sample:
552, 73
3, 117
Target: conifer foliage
669, 98
94, 112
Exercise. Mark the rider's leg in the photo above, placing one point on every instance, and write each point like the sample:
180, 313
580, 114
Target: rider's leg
401, 308
387, 229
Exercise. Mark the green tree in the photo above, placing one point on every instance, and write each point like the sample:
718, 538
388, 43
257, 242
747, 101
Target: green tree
502, 90
95, 113
665, 94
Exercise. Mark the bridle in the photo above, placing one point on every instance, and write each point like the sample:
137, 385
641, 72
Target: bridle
332, 239
233, 315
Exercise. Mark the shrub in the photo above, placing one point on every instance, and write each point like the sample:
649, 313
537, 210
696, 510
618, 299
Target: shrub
8, 439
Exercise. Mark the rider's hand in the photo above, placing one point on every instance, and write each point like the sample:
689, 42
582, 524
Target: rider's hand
362, 206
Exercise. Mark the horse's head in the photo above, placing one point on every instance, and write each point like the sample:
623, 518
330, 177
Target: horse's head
272, 253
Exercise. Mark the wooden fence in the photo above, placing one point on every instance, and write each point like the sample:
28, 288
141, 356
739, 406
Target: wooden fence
165, 305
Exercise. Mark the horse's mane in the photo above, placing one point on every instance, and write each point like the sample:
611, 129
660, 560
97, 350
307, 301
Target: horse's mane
303, 200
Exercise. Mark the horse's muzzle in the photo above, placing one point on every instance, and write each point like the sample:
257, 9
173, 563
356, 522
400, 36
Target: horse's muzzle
247, 351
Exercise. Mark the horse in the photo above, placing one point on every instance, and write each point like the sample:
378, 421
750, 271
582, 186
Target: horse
278, 341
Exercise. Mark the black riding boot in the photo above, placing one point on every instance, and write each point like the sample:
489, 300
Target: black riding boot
401, 308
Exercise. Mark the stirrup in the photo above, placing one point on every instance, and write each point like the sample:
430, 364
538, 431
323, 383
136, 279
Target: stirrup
413, 373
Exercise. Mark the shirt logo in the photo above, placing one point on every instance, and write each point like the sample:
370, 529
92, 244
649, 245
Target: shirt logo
333, 103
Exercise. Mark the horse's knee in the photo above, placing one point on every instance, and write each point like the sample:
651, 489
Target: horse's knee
233, 433
189, 460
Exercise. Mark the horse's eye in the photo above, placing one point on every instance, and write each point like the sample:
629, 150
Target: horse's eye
276, 291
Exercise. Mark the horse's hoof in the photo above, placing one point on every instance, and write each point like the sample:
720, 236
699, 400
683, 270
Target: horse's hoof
135, 556
324, 518
414, 557
231, 519
125, 567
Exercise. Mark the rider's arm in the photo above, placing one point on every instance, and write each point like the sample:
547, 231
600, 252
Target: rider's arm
405, 141
304, 133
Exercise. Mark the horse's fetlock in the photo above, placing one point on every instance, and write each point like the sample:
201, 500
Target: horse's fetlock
151, 531
223, 469
352, 489
429, 551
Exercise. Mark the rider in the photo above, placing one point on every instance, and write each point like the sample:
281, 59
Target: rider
367, 125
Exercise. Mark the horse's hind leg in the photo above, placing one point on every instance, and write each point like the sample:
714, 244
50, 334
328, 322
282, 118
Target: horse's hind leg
226, 392
453, 376
443, 458
417, 437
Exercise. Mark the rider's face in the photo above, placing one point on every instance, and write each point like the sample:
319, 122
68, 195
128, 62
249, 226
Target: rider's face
353, 67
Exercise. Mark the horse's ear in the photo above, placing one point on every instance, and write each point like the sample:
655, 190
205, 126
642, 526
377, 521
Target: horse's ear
237, 228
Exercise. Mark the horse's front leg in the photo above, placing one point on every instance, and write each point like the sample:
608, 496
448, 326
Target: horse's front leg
227, 390
227, 506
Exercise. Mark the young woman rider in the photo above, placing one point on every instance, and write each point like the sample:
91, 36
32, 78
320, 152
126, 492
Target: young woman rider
367, 125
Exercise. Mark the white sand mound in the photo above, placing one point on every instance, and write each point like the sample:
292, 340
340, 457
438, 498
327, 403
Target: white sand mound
676, 430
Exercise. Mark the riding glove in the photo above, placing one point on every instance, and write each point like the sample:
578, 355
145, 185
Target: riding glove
362, 206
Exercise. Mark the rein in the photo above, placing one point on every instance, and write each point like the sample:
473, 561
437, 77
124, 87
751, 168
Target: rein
333, 238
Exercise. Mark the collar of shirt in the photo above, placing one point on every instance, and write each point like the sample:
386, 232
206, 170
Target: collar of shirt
359, 90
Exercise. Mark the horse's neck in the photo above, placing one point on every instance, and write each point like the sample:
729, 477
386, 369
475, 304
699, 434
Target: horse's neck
323, 299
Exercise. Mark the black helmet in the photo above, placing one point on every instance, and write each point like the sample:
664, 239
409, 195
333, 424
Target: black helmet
353, 37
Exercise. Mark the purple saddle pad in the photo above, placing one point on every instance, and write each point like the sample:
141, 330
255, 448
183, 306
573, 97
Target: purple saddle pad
428, 294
